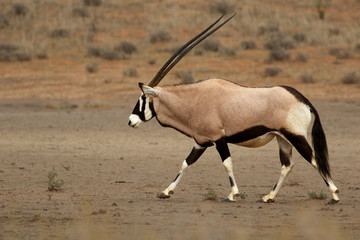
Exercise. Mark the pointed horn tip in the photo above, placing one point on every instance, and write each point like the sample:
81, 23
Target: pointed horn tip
153, 84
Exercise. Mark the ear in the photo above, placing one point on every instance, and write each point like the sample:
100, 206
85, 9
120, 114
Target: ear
149, 91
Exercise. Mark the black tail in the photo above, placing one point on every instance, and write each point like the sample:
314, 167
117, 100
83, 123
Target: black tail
318, 136
320, 146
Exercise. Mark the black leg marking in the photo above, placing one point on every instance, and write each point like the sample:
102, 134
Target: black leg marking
300, 143
194, 155
177, 177
275, 186
231, 182
284, 158
222, 148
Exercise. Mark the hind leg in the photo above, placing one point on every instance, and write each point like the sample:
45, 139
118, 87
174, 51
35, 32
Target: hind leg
305, 150
285, 152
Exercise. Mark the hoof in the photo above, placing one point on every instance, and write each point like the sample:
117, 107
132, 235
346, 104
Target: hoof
227, 200
265, 201
164, 196
332, 201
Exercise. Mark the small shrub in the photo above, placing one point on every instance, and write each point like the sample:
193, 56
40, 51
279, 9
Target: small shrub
350, 78
42, 55
272, 71
357, 47
222, 7
212, 45
334, 32
53, 183
94, 3
321, 196
185, 76
160, 36
92, 67
131, 72
60, 33
278, 40
4, 22
210, 195
8, 47
278, 54
307, 78
109, 54
229, 52
152, 62
106, 53
321, 7
271, 28
299, 37
20, 9
126, 47
340, 53
23, 56
80, 12
248, 45
243, 195
301, 57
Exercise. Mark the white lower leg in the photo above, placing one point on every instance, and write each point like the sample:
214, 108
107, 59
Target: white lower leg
229, 168
285, 170
333, 189
170, 189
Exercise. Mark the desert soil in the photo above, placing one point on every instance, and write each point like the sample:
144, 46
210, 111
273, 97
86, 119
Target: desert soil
112, 174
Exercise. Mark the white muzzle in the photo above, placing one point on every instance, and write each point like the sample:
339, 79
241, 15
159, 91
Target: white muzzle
134, 121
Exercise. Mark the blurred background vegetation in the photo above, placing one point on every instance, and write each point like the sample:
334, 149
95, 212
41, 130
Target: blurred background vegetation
110, 42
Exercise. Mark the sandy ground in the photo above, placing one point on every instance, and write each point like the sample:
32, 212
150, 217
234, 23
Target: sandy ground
112, 174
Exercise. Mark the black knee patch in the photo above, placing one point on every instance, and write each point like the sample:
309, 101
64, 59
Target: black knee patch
194, 155
222, 148
284, 158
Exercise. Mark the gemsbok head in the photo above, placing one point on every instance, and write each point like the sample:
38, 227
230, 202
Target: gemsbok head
218, 112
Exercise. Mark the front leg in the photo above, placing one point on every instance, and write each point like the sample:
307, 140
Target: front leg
194, 155
223, 149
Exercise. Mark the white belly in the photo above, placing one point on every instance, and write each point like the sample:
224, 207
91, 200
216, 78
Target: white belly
257, 142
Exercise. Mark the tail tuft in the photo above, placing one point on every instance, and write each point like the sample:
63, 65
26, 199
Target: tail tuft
320, 146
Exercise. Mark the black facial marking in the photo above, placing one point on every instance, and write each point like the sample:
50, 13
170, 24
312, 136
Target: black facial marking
222, 148
194, 155
248, 134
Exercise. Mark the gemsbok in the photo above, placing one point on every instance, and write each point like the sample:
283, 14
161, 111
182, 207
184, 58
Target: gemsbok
219, 112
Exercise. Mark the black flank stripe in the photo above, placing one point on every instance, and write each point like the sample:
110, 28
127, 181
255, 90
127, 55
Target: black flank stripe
248, 134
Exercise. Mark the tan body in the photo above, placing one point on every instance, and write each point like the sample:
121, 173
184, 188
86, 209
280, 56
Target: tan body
216, 108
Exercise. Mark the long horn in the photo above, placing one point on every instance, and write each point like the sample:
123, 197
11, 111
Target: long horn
182, 51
